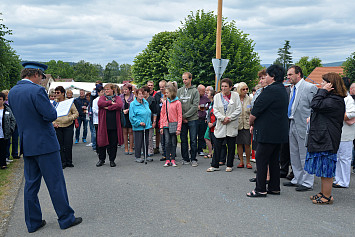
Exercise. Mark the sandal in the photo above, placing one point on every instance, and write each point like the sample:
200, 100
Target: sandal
208, 156
229, 169
212, 169
315, 197
240, 165
321, 202
256, 194
249, 166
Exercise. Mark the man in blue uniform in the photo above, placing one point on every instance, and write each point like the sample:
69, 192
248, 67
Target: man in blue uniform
34, 116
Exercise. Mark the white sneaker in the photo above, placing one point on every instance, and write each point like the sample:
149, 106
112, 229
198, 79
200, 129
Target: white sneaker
194, 163
8, 160
90, 144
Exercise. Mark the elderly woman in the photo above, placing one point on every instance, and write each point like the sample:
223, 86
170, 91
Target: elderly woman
269, 120
140, 117
109, 133
244, 136
325, 127
7, 127
127, 97
64, 128
226, 109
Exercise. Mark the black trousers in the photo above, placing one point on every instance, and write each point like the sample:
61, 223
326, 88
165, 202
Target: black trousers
139, 142
285, 158
65, 139
218, 151
3, 145
267, 154
111, 147
170, 144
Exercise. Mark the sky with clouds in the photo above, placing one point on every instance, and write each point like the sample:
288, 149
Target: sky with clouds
99, 31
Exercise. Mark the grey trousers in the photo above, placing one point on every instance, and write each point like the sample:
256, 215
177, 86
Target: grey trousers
298, 153
139, 142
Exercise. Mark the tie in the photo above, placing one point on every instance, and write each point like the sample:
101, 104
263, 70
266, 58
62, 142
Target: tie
291, 102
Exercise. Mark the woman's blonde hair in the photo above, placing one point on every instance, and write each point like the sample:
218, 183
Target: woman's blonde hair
241, 85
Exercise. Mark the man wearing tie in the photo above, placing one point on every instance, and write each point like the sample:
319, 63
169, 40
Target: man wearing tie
299, 110
34, 116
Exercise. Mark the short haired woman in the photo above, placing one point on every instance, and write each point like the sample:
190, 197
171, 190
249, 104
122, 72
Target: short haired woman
64, 128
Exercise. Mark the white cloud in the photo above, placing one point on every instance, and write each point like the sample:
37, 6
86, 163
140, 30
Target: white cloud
102, 31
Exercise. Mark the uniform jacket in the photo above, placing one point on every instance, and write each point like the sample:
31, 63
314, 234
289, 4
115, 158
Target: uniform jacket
302, 106
234, 109
8, 122
326, 122
67, 120
34, 115
102, 138
244, 116
140, 113
270, 110
190, 99
174, 111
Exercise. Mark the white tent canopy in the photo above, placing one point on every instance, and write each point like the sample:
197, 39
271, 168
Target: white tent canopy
76, 86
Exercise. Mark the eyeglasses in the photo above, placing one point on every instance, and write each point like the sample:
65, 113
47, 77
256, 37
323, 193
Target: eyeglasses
245, 89
57, 92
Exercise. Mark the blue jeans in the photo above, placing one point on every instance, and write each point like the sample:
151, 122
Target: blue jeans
77, 131
14, 141
190, 127
93, 134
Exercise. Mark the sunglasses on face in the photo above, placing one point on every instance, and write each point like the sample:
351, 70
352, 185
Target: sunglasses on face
57, 92
245, 89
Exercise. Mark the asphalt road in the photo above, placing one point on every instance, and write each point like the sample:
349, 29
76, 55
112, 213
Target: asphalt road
150, 200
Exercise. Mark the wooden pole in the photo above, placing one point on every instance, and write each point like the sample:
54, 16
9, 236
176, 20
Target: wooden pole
218, 38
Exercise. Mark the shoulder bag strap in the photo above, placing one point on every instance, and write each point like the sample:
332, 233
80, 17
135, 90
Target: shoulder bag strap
166, 107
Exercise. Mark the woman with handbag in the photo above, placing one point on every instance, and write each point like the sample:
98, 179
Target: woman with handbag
170, 123
64, 128
140, 118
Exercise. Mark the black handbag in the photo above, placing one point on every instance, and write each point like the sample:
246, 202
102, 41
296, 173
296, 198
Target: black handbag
123, 119
171, 125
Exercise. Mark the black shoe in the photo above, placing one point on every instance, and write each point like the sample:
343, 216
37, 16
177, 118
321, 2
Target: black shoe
163, 159
16, 157
112, 164
100, 163
337, 186
273, 192
289, 184
64, 166
156, 151
252, 180
70, 165
77, 221
42, 224
255, 171
302, 188
290, 176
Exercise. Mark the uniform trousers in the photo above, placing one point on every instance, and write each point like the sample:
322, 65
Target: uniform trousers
298, 153
343, 166
49, 167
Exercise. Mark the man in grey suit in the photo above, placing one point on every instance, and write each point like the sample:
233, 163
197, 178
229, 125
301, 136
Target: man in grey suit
299, 110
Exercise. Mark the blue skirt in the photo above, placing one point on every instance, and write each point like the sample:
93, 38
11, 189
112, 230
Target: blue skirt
322, 164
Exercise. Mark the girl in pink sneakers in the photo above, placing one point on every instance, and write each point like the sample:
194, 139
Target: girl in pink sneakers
170, 123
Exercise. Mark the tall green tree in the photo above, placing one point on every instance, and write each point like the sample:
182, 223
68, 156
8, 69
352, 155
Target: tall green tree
309, 65
111, 72
60, 69
151, 64
86, 72
285, 56
195, 47
125, 73
10, 67
349, 67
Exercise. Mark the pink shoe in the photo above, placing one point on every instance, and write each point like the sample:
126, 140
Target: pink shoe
173, 163
167, 163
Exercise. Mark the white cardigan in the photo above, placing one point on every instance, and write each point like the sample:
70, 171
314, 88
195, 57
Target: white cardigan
234, 109
348, 131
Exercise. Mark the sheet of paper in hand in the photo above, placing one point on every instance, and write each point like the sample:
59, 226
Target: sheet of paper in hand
63, 107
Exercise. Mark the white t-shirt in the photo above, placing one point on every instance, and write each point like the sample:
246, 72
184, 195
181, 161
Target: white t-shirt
1, 130
95, 111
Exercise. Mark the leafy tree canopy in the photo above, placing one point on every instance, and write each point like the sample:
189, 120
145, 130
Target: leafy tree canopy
349, 67
285, 56
60, 69
309, 65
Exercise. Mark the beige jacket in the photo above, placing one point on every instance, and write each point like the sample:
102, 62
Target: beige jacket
244, 116
66, 121
234, 109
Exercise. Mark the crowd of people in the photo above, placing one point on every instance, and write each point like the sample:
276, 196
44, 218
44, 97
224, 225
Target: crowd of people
293, 125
